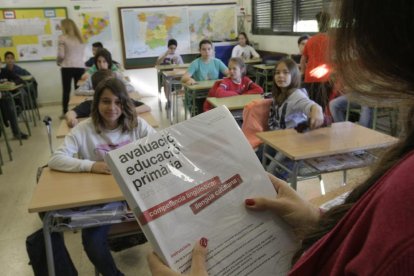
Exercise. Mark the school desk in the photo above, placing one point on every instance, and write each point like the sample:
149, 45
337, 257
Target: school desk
173, 77
253, 61
234, 103
199, 90
63, 128
339, 138
264, 71
167, 67
59, 190
29, 83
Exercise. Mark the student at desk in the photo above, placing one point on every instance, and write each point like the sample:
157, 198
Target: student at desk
103, 61
236, 84
206, 67
102, 52
372, 232
244, 50
84, 109
113, 123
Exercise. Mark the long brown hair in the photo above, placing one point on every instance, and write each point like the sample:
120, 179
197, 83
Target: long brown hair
373, 68
128, 118
69, 28
280, 95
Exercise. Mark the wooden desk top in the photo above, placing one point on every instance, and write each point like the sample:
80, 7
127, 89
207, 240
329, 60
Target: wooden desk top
318, 201
253, 60
26, 77
201, 85
264, 66
174, 73
341, 137
60, 190
75, 99
161, 68
63, 129
234, 102
9, 86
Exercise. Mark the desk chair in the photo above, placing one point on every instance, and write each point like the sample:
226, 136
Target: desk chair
3, 132
32, 104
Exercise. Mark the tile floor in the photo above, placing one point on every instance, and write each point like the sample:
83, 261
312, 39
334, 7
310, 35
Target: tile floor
19, 179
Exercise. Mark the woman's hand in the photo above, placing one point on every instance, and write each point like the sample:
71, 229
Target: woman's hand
296, 211
198, 263
315, 116
100, 167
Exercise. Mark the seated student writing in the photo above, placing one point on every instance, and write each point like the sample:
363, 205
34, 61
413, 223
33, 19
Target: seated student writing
236, 84
372, 232
6, 103
84, 109
170, 56
291, 105
206, 67
103, 61
244, 49
113, 123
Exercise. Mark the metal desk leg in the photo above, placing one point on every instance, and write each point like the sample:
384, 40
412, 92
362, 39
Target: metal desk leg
47, 220
294, 175
3, 132
264, 155
168, 82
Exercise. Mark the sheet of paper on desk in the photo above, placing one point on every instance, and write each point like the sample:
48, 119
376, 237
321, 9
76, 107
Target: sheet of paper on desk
189, 181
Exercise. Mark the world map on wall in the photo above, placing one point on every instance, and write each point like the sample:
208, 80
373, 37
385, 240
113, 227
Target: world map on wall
147, 30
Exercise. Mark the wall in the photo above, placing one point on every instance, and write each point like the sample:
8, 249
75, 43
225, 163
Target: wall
48, 74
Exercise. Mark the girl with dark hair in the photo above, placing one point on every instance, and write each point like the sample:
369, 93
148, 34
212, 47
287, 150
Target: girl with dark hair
113, 123
244, 49
372, 232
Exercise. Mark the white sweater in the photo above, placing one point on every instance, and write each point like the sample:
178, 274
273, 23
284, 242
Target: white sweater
90, 146
246, 52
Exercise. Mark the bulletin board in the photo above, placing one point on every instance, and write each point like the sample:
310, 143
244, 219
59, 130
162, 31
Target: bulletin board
31, 33
145, 30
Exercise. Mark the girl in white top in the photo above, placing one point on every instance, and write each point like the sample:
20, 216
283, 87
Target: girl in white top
70, 58
243, 49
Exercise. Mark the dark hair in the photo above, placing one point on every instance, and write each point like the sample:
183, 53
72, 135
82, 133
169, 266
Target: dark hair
97, 45
324, 20
280, 95
240, 63
246, 37
205, 41
172, 41
302, 38
128, 118
99, 76
102, 52
391, 76
8, 53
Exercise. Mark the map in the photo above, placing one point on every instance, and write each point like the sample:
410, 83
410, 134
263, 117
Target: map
147, 30
94, 26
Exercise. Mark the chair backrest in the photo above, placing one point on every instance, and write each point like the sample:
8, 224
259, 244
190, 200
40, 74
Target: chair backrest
255, 119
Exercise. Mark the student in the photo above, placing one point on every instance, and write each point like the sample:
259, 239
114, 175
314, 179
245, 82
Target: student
106, 57
95, 47
113, 123
244, 49
291, 105
84, 109
6, 104
302, 40
70, 58
236, 84
170, 57
103, 61
206, 67
9, 58
315, 63
372, 232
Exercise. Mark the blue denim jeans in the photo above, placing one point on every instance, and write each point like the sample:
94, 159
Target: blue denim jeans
96, 247
338, 110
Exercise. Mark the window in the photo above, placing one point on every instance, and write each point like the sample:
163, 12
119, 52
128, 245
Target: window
286, 16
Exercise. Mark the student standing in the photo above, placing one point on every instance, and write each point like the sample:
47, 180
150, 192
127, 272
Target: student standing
236, 84
372, 232
70, 58
315, 63
113, 123
244, 49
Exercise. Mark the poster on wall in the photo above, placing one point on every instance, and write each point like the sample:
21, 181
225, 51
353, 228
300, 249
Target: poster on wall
31, 33
146, 30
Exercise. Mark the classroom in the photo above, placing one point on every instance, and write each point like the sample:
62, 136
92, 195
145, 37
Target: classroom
322, 126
